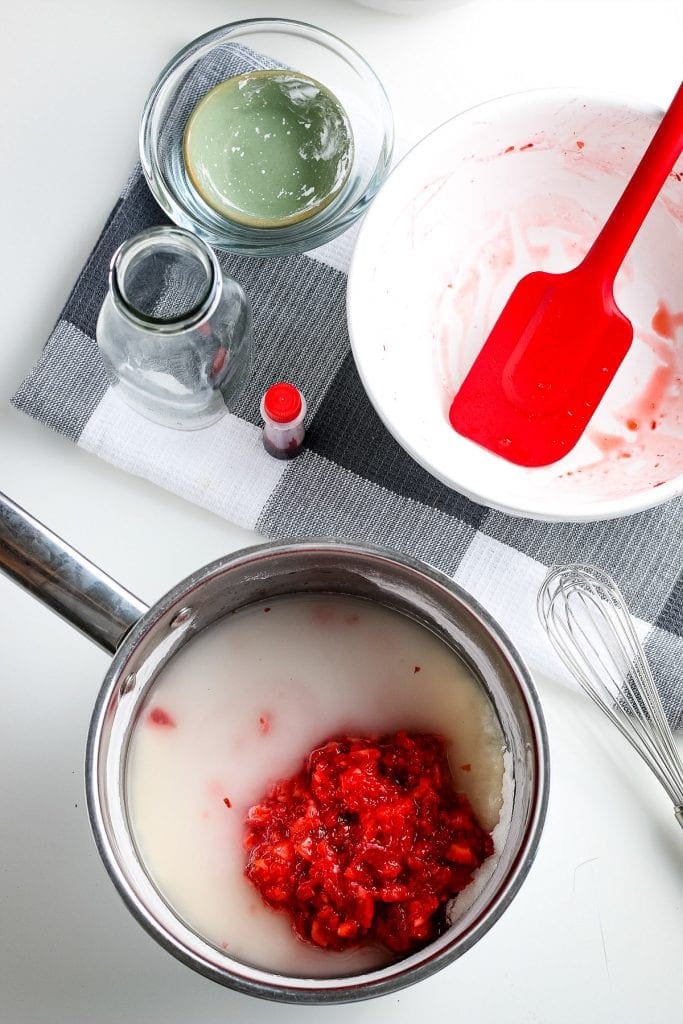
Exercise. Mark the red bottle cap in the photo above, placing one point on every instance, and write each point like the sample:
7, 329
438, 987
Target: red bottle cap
282, 402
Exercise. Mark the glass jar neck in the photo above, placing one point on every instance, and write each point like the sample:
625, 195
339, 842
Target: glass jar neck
165, 280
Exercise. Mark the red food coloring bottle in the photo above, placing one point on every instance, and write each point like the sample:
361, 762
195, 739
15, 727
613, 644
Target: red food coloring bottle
283, 409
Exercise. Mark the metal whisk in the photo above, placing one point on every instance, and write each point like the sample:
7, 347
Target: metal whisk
588, 623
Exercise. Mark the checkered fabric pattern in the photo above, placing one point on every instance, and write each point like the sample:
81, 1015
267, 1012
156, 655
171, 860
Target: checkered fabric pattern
353, 480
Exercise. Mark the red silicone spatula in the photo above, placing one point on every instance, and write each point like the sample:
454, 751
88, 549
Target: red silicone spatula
561, 337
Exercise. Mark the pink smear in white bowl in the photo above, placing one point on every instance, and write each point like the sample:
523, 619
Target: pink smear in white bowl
520, 184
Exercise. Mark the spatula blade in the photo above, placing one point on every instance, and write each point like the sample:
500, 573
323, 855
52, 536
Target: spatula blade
544, 369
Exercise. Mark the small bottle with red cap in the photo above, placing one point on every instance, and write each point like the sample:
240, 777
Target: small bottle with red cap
283, 409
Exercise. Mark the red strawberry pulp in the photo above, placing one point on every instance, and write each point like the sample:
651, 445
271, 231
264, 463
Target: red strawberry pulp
367, 843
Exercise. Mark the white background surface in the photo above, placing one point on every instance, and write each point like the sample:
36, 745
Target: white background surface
596, 932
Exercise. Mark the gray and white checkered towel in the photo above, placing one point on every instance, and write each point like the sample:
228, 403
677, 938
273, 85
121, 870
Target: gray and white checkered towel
353, 480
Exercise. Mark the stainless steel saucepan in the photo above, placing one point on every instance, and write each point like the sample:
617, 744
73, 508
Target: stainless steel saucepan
144, 639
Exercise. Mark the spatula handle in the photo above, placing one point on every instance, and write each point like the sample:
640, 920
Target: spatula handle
610, 247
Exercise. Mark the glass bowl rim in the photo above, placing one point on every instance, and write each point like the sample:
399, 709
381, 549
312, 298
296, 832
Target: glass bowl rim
305, 235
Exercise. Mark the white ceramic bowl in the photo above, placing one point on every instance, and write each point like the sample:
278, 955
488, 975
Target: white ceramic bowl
410, 6
517, 184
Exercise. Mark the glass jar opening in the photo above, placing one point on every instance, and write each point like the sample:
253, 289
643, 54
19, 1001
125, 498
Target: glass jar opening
165, 278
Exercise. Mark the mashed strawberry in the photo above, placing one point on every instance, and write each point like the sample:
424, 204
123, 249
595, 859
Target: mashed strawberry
367, 843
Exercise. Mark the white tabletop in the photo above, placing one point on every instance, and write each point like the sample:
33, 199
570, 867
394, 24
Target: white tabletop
596, 932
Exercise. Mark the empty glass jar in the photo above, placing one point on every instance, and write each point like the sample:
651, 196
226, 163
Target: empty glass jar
175, 333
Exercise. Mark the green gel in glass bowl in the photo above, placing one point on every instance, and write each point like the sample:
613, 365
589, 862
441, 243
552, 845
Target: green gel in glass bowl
268, 148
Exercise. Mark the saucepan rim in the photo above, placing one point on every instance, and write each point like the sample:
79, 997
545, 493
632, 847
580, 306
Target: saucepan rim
272, 985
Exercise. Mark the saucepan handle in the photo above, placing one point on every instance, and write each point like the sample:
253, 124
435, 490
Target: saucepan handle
63, 579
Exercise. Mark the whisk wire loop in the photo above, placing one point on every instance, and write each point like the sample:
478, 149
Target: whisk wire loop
589, 625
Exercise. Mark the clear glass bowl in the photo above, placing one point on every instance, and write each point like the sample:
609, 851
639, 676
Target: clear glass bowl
259, 45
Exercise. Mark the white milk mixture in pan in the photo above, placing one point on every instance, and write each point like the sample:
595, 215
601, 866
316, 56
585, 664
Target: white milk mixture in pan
241, 705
